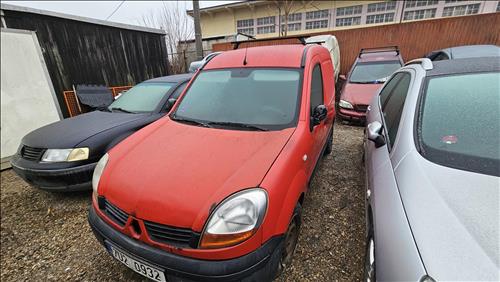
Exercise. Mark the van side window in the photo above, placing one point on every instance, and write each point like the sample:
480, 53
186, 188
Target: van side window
316, 88
393, 107
179, 90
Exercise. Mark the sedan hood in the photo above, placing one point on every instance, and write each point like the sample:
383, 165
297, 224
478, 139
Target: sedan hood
359, 94
69, 132
175, 174
454, 216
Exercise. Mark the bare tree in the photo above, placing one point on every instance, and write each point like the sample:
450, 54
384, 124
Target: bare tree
285, 9
178, 27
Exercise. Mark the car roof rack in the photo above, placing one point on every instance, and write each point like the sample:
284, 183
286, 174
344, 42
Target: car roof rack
426, 63
379, 49
301, 40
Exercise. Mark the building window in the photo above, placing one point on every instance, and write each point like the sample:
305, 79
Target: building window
461, 10
348, 11
266, 29
348, 21
248, 31
419, 14
317, 15
420, 3
296, 17
265, 21
317, 24
292, 26
244, 23
498, 6
382, 6
453, 1
380, 18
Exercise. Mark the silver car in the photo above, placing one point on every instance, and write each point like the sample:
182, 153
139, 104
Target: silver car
432, 157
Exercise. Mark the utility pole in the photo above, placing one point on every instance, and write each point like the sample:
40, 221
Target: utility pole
197, 29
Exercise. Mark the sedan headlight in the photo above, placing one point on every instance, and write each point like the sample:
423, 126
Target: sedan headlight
346, 105
236, 219
65, 155
99, 168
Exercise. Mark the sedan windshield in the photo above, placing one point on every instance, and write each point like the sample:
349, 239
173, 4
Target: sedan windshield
459, 124
373, 72
246, 99
143, 97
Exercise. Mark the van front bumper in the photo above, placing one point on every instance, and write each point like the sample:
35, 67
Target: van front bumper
259, 265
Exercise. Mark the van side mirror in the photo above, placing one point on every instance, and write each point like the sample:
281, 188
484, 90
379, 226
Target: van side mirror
374, 131
343, 77
318, 115
170, 103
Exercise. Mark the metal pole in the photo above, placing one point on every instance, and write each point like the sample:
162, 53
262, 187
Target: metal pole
197, 29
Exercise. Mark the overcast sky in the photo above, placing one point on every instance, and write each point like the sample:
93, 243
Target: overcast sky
130, 12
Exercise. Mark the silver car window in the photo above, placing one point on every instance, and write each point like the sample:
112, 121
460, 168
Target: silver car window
393, 107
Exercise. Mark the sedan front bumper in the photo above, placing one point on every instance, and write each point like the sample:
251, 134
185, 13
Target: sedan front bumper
64, 179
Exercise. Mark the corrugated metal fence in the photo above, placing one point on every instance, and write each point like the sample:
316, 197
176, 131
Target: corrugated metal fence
415, 39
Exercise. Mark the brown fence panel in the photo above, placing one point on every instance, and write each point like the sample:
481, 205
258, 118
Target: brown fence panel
415, 39
74, 107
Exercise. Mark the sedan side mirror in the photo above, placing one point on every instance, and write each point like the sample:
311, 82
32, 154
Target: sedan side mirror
374, 130
343, 77
170, 103
318, 115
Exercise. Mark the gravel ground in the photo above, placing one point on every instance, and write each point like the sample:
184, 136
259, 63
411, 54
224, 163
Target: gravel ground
45, 236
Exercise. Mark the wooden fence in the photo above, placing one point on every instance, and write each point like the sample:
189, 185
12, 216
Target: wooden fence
415, 39
75, 108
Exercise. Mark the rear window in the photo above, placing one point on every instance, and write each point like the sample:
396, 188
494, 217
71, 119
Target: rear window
373, 72
459, 122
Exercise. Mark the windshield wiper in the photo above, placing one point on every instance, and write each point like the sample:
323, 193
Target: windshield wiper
237, 124
188, 120
122, 110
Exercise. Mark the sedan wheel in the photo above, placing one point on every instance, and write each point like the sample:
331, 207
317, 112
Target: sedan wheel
370, 260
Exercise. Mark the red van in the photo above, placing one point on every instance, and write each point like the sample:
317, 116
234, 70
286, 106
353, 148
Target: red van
214, 190
368, 73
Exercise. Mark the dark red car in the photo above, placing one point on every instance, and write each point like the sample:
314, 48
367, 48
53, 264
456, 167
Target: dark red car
214, 191
369, 72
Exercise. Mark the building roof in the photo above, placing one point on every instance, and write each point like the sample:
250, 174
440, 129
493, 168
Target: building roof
8, 7
286, 56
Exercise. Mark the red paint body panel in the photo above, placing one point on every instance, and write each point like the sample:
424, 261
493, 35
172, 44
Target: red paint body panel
175, 174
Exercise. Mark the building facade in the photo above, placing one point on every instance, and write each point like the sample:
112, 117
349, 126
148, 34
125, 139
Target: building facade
277, 18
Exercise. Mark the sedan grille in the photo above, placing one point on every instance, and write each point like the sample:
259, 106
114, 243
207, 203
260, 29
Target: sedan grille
361, 108
113, 212
32, 154
174, 236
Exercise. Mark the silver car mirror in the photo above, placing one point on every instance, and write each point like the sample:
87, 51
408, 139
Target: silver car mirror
374, 131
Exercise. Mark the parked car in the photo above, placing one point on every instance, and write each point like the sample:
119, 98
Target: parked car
432, 172
329, 42
368, 73
194, 66
467, 51
61, 156
214, 191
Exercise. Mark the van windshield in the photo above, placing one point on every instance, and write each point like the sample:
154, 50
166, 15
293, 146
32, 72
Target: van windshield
373, 72
243, 98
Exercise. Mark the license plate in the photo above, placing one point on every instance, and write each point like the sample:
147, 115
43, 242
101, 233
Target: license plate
137, 265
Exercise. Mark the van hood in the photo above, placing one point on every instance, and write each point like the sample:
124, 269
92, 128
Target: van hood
454, 217
360, 94
69, 132
175, 174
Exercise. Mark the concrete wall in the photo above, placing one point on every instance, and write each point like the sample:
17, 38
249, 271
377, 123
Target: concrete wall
221, 21
27, 95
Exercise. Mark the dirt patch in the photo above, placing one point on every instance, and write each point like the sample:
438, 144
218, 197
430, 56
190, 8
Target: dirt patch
45, 236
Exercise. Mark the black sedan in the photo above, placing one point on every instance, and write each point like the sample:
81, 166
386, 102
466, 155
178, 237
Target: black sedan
61, 156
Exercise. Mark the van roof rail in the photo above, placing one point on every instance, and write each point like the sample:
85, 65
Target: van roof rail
426, 63
379, 49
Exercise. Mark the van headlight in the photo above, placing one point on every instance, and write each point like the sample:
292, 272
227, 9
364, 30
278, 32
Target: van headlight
99, 168
235, 220
65, 155
346, 105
